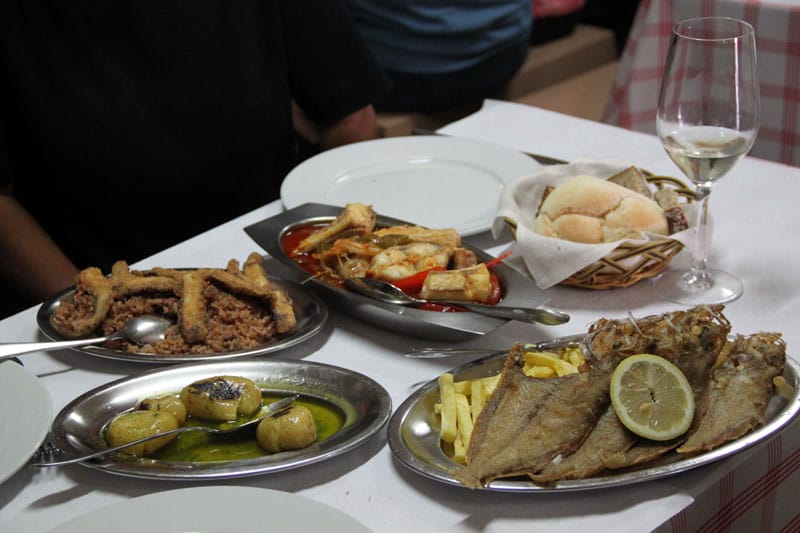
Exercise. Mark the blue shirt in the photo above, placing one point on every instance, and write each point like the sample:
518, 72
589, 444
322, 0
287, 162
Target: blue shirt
434, 36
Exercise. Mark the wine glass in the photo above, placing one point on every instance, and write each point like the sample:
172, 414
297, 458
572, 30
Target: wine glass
708, 113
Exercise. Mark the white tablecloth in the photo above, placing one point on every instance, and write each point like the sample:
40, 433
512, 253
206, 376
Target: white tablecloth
755, 239
634, 96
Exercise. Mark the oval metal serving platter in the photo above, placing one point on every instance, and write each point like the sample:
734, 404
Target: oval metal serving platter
519, 289
366, 406
310, 310
414, 437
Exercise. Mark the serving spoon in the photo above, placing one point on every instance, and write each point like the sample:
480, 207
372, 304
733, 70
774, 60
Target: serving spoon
271, 409
142, 329
389, 293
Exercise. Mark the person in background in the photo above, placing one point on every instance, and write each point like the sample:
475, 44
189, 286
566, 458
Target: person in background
441, 55
129, 126
554, 19
616, 15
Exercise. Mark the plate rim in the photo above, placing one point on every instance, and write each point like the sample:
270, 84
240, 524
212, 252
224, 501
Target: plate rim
40, 406
315, 323
401, 452
237, 496
294, 188
349, 437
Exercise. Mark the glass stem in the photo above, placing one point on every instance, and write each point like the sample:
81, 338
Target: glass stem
698, 277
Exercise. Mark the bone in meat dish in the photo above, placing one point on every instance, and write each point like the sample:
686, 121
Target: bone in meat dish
216, 310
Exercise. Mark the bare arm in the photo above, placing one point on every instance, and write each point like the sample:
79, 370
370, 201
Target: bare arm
29, 259
357, 126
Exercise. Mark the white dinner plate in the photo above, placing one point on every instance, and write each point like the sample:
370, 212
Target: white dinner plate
25, 413
438, 182
215, 509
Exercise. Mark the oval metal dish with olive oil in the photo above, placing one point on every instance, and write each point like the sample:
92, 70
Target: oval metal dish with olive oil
348, 408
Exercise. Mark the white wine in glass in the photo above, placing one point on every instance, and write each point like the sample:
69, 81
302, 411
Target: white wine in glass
708, 112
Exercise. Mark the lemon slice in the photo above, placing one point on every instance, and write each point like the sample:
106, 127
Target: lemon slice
652, 397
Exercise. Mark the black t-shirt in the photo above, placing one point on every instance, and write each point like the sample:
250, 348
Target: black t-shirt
128, 126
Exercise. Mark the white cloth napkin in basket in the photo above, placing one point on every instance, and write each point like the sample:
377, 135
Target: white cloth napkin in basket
550, 260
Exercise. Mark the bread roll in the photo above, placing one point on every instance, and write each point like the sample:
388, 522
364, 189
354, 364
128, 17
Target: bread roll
592, 210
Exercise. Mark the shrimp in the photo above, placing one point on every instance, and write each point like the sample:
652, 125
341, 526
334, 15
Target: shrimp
350, 247
400, 262
349, 258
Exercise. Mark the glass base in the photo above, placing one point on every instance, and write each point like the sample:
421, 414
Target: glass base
672, 285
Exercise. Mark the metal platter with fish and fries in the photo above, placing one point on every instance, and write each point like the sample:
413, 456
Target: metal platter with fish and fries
347, 409
215, 313
530, 432
276, 236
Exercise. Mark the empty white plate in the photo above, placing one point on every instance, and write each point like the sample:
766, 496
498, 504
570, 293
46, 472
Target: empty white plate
215, 509
437, 182
25, 415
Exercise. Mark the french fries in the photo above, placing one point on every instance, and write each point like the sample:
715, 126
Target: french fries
782, 387
460, 402
459, 406
464, 425
547, 364
447, 393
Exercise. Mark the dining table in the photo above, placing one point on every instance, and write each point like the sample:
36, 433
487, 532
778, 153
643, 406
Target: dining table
634, 95
754, 208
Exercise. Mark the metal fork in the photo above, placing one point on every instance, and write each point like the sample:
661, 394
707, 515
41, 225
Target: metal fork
46, 453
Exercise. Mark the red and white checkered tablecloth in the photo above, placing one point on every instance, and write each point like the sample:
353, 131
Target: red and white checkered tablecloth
760, 495
634, 97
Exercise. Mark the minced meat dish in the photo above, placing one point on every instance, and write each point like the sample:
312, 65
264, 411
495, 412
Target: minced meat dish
215, 310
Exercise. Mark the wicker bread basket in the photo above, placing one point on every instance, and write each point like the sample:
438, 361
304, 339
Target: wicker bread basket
630, 263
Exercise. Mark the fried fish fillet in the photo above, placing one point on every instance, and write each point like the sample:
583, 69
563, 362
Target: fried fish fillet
738, 393
644, 451
691, 340
252, 281
126, 282
192, 318
606, 445
529, 421
280, 303
216, 309
100, 289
